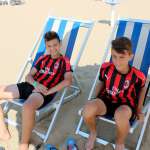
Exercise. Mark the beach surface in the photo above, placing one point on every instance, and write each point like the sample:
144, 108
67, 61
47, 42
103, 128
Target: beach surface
19, 28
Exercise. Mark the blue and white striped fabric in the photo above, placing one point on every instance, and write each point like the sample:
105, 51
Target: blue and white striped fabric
67, 31
139, 33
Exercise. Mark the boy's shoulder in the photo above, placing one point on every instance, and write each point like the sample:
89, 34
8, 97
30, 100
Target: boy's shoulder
106, 65
139, 73
43, 56
65, 58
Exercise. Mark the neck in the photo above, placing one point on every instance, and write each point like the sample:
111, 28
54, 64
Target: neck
56, 55
125, 70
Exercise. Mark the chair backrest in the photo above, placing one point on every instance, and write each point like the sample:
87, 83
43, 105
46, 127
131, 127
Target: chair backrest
139, 33
67, 30
112, 2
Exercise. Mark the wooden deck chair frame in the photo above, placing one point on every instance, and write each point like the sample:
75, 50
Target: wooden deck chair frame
146, 109
69, 25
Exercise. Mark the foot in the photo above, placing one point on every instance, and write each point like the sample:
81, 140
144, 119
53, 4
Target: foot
23, 147
109, 147
120, 147
5, 135
91, 141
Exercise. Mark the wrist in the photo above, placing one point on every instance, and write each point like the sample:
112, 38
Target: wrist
139, 110
140, 113
49, 92
34, 84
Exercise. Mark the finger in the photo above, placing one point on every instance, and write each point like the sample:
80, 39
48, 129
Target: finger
43, 91
44, 88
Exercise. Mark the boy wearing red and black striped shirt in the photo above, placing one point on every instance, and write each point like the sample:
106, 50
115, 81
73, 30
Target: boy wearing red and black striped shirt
120, 93
51, 73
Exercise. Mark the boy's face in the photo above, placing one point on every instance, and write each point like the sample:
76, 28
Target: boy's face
121, 60
53, 46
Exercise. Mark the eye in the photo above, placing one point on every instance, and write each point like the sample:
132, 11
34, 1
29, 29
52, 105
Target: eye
122, 57
113, 56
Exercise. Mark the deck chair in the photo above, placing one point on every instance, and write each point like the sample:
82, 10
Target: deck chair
71, 32
16, 2
112, 4
139, 33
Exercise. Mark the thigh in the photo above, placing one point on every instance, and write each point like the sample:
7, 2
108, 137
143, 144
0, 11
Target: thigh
9, 91
96, 106
123, 111
47, 100
34, 101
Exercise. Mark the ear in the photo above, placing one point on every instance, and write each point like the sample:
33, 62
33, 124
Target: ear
60, 42
131, 56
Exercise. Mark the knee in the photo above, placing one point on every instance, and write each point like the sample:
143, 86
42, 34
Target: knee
27, 107
122, 115
1, 92
1, 88
88, 111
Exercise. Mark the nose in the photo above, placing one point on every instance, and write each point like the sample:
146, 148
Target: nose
117, 61
52, 48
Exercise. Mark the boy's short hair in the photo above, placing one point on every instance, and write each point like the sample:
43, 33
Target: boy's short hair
50, 35
122, 44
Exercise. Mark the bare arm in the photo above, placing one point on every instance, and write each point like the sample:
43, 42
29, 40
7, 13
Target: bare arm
29, 76
66, 82
141, 100
99, 87
139, 114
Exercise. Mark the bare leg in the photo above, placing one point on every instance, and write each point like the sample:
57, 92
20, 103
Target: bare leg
90, 111
122, 117
34, 101
6, 92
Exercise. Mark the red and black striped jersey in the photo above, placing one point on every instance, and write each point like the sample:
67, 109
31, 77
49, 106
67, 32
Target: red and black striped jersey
121, 88
51, 71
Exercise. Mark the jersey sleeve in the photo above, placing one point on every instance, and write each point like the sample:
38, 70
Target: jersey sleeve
67, 65
38, 63
142, 80
102, 70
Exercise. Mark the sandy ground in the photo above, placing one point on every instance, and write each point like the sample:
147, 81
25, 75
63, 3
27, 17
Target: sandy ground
19, 28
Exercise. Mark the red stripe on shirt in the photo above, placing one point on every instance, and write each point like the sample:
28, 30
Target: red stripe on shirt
109, 74
52, 76
121, 95
129, 96
46, 73
42, 64
68, 67
116, 84
58, 78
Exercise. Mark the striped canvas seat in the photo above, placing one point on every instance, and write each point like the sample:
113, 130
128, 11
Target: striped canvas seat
67, 31
139, 33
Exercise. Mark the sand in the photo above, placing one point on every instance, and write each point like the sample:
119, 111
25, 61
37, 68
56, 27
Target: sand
20, 26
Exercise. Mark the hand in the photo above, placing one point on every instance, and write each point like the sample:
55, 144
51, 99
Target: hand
140, 117
41, 88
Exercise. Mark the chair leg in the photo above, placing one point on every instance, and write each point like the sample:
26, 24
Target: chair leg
55, 116
143, 130
77, 81
6, 107
76, 90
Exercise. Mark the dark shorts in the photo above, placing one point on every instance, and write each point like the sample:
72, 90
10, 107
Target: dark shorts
25, 90
111, 107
